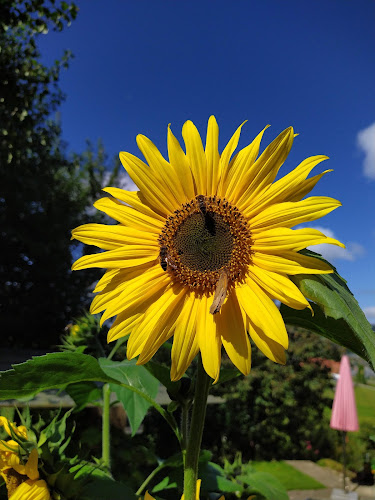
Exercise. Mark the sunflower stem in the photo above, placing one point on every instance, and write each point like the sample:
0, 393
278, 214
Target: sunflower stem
106, 427
184, 428
194, 441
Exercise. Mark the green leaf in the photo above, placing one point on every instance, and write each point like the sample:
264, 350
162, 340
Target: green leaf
165, 484
52, 371
337, 314
162, 373
213, 479
83, 393
54, 433
173, 406
264, 484
127, 372
227, 374
101, 488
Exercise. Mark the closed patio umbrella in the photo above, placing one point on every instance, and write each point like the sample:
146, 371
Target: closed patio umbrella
344, 411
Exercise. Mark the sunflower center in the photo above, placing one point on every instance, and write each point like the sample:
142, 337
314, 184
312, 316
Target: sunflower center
201, 239
204, 242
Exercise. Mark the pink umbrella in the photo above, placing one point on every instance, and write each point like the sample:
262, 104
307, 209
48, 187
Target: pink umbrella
344, 411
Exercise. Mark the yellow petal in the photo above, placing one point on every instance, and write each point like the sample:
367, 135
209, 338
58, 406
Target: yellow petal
134, 255
232, 329
241, 171
163, 170
113, 236
124, 280
164, 325
137, 294
31, 468
273, 350
12, 428
209, 339
304, 187
123, 325
106, 279
280, 189
32, 490
283, 238
15, 463
262, 311
291, 263
152, 188
279, 287
9, 446
114, 289
195, 155
212, 156
185, 344
180, 163
225, 159
128, 216
135, 200
289, 214
156, 325
267, 166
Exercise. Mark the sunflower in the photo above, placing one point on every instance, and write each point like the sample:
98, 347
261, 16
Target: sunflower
21, 474
204, 248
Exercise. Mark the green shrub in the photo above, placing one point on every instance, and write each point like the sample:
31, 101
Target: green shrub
277, 412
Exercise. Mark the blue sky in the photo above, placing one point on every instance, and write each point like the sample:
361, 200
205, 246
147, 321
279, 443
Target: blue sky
140, 65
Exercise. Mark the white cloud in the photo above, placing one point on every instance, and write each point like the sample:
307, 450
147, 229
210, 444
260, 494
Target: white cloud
331, 252
370, 313
366, 142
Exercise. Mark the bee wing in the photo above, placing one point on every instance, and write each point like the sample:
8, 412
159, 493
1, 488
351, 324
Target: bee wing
171, 262
220, 292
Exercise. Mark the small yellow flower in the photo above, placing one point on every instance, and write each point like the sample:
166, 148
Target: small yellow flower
10, 427
21, 479
204, 248
74, 330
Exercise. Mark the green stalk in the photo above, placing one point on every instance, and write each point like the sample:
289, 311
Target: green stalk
202, 386
184, 428
116, 346
106, 457
148, 479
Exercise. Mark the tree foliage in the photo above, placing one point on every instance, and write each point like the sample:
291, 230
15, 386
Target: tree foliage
43, 192
278, 411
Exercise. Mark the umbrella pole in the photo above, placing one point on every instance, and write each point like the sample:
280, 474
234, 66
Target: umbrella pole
344, 457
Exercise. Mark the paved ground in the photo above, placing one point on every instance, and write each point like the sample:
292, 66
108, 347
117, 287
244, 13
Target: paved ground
327, 477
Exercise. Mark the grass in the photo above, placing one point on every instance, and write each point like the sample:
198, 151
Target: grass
365, 400
289, 477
